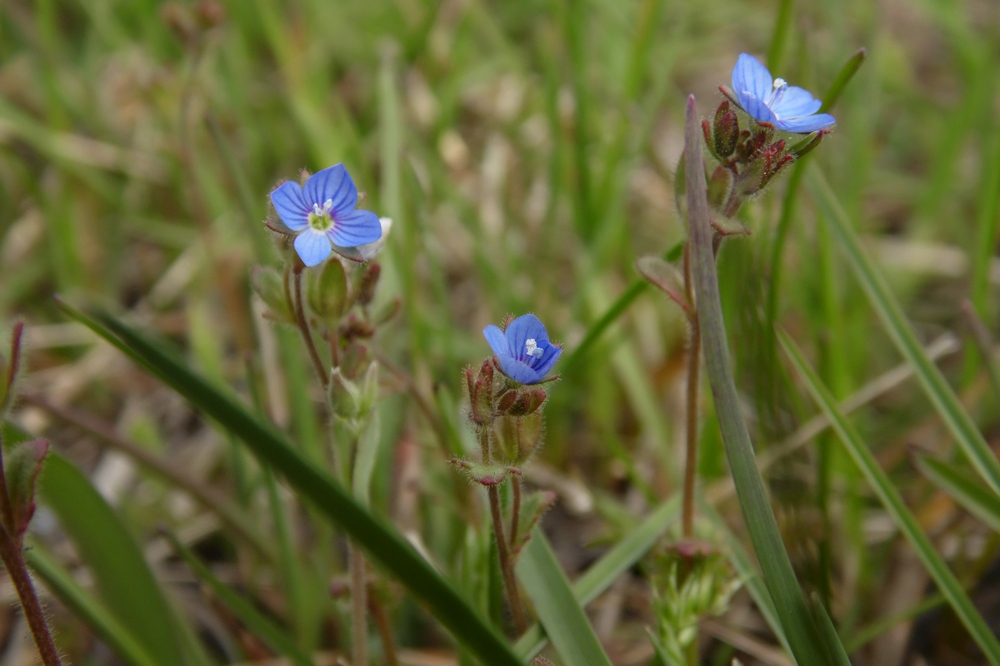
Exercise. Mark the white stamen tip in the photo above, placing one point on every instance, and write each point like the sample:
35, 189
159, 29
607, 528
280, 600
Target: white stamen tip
780, 83
328, 205
533, 348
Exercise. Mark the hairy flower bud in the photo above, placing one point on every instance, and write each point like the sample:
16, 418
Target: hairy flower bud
726, 131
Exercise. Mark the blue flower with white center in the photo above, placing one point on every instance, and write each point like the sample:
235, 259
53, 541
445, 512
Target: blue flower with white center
523, 349
773, 101
322, 214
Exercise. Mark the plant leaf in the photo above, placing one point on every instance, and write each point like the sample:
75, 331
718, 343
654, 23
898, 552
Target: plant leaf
790, 604
382, 543
558, 610
969, 439
893, 503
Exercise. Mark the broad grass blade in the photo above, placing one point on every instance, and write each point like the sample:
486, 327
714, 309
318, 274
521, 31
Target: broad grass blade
88, 609
558, 610
123, 579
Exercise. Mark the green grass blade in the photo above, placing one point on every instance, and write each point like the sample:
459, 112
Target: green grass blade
558, 610
123, 579
790, 604
606, 570
933, 382
828, 632
893, 503
261, 627
382, 543
964, 489
87, 608
847, 73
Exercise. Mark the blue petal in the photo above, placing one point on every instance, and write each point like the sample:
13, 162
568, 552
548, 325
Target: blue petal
807, 124
750, 75
547, 360
757, 108
518, 371
797, 102
291, 206
498, 343
334, 184
520, 330
313, 247
357, 227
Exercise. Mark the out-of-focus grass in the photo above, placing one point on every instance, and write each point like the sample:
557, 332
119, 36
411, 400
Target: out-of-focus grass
525, 151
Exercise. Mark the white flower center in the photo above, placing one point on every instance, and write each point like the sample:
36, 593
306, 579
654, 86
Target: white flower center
533, 348
320, 218
774, 99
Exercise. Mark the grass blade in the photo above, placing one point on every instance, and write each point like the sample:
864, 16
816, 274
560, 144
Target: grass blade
558, 609
964, 489
790, 604
933, 382
124, 580
606, 570
382, 543
893, 503
261, 627
88, 609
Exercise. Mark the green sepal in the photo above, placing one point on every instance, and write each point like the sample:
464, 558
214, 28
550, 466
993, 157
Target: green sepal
269, 285
533, 507
21, 467
485, 474
518, 437
326, 291
667, 278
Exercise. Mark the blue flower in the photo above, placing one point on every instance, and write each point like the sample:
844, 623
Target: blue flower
322, 214
773, 101
523, 349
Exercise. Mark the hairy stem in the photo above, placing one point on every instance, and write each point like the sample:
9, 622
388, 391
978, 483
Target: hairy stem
298, 307
13, 561
515, 513
506, 563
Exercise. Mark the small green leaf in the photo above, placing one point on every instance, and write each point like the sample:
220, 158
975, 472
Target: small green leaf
269, 285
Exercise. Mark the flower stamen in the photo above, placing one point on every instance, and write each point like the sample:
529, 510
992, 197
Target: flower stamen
533, 348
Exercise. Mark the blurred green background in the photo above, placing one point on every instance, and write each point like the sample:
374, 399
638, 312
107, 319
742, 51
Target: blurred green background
525, 151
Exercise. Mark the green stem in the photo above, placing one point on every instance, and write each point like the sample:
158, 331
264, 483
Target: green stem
515, 512
298, 307
359, 605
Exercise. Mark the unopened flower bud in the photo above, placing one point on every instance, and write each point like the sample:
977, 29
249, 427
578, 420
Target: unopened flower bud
727, 130
369, 280
527, 402
506, 401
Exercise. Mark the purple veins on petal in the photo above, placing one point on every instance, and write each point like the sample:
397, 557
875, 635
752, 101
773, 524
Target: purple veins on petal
751, 76
357, 227
806, 124
333, 184
289, 201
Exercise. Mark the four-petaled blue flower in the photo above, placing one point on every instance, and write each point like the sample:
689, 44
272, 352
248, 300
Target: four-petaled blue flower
322, 214
523, 349
773, 101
